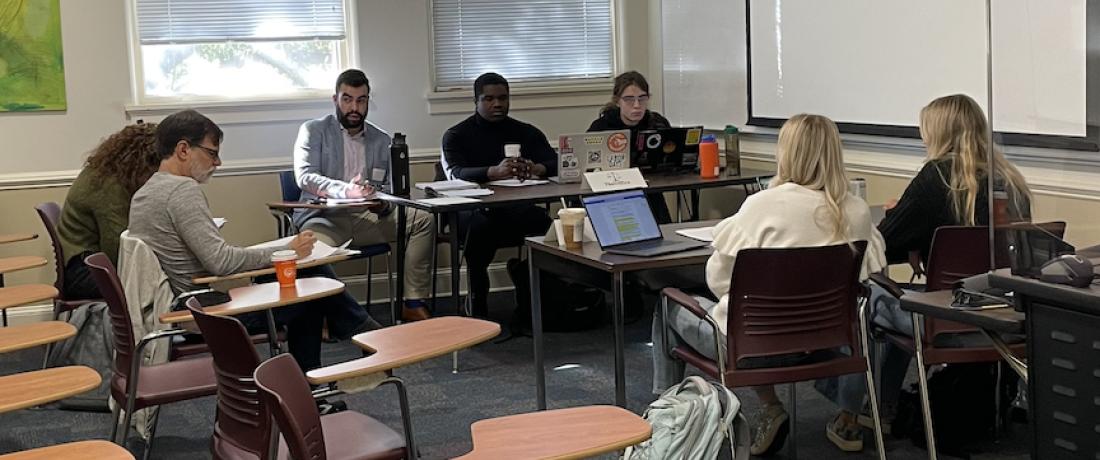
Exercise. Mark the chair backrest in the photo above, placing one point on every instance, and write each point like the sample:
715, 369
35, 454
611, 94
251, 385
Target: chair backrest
440, 174
283, 388
50, 213
122, 334
291, 192
793, 300
242, 419
956, 253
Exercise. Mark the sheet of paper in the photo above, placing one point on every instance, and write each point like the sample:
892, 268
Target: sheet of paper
340, 201
439, 186
517, 183
219, 221
320, 249
701, 234
469, 192
448, 200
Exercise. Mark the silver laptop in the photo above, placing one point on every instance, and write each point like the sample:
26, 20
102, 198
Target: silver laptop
624, 225
590, 152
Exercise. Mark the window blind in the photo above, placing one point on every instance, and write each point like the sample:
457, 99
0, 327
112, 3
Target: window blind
525, 41
219, 21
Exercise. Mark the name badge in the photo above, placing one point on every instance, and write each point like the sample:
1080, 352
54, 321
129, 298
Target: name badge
609, 181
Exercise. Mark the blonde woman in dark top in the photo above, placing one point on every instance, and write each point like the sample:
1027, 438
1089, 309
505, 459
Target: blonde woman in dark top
97, 207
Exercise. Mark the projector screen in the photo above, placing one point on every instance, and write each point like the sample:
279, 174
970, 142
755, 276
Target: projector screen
873, 64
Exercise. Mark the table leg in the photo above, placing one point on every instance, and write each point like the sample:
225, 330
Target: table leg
1016, 363
272, 334
694, 205
929, 436
536, 332
402, 246
620, 339
456, 267
3, 312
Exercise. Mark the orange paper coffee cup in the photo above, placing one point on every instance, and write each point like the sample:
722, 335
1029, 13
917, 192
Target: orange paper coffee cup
286, 267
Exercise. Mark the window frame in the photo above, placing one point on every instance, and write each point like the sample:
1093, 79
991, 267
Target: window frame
531, 95
157, 107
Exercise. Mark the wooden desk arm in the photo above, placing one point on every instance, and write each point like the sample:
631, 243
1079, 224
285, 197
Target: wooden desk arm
882, 280
361, 374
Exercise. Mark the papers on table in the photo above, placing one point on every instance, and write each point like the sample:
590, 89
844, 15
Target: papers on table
343, 201
439, 186
517, 182
320, 249
448, 200
701, 234
219, 222
468, 192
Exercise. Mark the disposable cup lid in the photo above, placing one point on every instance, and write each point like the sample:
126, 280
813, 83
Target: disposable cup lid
285, 254
572, 212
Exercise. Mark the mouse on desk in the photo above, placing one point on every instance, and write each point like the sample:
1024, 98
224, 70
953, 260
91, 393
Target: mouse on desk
1068, 269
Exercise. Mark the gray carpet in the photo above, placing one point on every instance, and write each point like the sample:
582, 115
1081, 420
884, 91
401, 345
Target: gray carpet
495, 379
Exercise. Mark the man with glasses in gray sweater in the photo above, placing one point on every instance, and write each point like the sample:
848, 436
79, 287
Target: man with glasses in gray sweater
171, 215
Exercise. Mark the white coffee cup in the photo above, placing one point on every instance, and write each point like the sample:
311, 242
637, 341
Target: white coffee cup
572, 226
511, 150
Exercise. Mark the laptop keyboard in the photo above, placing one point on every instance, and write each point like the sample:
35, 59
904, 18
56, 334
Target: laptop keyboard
640, 245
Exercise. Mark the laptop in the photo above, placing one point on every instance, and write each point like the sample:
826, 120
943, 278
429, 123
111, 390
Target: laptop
666, 149
624, 225
591, 152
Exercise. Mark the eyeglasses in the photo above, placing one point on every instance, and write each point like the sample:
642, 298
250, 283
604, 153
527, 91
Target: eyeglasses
209, 151
634, 99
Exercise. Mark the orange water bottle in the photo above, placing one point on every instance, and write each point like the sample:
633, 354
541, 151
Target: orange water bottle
708, 157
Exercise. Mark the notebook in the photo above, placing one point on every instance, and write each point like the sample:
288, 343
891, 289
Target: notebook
624, 224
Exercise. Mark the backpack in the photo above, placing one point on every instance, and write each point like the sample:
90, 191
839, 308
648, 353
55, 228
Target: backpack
566, 306
963, 401
690, 421
91, 347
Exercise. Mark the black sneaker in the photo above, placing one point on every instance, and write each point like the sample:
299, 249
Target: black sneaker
326, 408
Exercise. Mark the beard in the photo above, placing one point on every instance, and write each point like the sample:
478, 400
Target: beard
200, 174
348, 124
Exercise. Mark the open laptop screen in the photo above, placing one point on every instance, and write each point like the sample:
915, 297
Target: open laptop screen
621, 218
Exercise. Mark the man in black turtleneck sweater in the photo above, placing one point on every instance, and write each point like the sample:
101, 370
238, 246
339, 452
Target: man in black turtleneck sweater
474, 151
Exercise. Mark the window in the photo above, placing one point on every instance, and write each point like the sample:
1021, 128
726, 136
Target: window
542, 42
238, 49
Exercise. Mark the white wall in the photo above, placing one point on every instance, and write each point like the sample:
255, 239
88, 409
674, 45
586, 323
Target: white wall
44, 148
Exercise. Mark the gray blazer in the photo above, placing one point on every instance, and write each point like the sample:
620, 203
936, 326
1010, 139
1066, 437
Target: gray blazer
319, 161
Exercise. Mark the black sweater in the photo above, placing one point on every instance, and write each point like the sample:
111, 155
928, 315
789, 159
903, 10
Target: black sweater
924, 207
612, 120
476, 144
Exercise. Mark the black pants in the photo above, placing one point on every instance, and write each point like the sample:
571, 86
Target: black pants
79, 283
485, 231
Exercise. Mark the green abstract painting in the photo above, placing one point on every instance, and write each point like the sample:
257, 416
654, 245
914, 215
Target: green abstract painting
32, 72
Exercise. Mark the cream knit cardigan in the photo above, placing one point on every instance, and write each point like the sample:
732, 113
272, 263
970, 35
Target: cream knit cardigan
787, 216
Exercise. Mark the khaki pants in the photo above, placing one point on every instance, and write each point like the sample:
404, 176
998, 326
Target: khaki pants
367, 228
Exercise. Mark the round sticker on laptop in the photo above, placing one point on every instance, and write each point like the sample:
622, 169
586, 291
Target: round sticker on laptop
617, 142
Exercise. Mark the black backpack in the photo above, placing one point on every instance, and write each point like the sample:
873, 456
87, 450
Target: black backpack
566, 306
963, 401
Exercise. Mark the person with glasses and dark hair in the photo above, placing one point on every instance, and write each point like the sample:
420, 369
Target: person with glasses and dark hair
629, 109
474, 151
342, 155
170, 214
97, 207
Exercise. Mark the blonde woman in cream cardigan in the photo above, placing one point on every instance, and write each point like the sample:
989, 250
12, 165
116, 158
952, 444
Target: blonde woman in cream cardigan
807, 204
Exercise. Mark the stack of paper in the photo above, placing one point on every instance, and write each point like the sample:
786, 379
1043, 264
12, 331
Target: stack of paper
701, 233
469, 192
320, 249
517, 182
456, 184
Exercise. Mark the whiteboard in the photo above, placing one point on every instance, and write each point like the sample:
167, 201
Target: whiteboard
881, 61
874, 62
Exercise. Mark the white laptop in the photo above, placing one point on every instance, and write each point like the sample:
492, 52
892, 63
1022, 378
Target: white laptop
624, 224
589, 152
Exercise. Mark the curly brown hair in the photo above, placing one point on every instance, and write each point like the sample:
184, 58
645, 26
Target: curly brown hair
130, 156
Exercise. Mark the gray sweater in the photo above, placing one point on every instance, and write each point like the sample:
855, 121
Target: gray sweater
171, 215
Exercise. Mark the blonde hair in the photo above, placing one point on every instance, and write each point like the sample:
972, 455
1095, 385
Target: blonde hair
955, 127
809, 154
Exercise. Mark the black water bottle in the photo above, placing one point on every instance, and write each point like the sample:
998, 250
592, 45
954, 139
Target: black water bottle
399, 165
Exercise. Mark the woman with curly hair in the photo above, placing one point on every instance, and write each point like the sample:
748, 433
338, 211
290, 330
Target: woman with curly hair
97, 207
